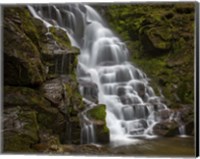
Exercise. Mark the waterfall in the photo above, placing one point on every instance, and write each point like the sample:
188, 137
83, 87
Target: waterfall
131, 103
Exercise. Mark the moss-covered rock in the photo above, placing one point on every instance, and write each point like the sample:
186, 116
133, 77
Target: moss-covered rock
58, 56
20, 130
156, 40
34, 54
97, 115
98, 112
48, 117
21, 55
74, 105
26, 97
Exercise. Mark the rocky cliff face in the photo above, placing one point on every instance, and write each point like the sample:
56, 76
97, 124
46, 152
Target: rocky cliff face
160, 38
39, 80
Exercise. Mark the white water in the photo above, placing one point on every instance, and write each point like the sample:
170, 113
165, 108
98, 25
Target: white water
130, 101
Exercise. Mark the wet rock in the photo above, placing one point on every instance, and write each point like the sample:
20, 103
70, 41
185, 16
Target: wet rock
32, 54
59, 62
97, 116
53, 91
140, 88
121, 91
89, 89
24, 96
166, 128
48, 117
189, 128
58, 55
91, 149
140, 111
74, 105
187, 118
20, 129
164, 114
21, 57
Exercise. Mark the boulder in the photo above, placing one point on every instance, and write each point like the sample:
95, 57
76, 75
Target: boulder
53, 91
163, 114
189, 127
166, 128
156, 39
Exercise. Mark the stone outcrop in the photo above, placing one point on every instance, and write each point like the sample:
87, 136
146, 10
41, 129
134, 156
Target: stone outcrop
39, 106
21, 55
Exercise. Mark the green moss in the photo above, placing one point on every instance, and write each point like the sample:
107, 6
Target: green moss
23, 96
75, 102
18, 143
21, 137
105, 129
31, 126
22, 56
98, 112
61, 38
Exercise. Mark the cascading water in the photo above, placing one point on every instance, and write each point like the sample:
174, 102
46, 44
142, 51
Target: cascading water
131, 103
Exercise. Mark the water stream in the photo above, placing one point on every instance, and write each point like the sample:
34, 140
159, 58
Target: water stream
131, 104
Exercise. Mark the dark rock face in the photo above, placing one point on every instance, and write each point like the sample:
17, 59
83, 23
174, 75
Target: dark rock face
40, 110
21, 56
20, 129
57, 54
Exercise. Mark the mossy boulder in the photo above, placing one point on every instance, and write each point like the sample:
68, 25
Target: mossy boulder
21, 55
97, 115
20, 130
57, 54
156, 40
74, 105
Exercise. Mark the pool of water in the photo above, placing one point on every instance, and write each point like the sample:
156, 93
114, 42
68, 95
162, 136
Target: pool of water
158, 147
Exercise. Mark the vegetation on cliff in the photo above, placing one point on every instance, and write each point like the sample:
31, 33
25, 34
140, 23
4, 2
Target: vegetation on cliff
160, 38
39, 112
